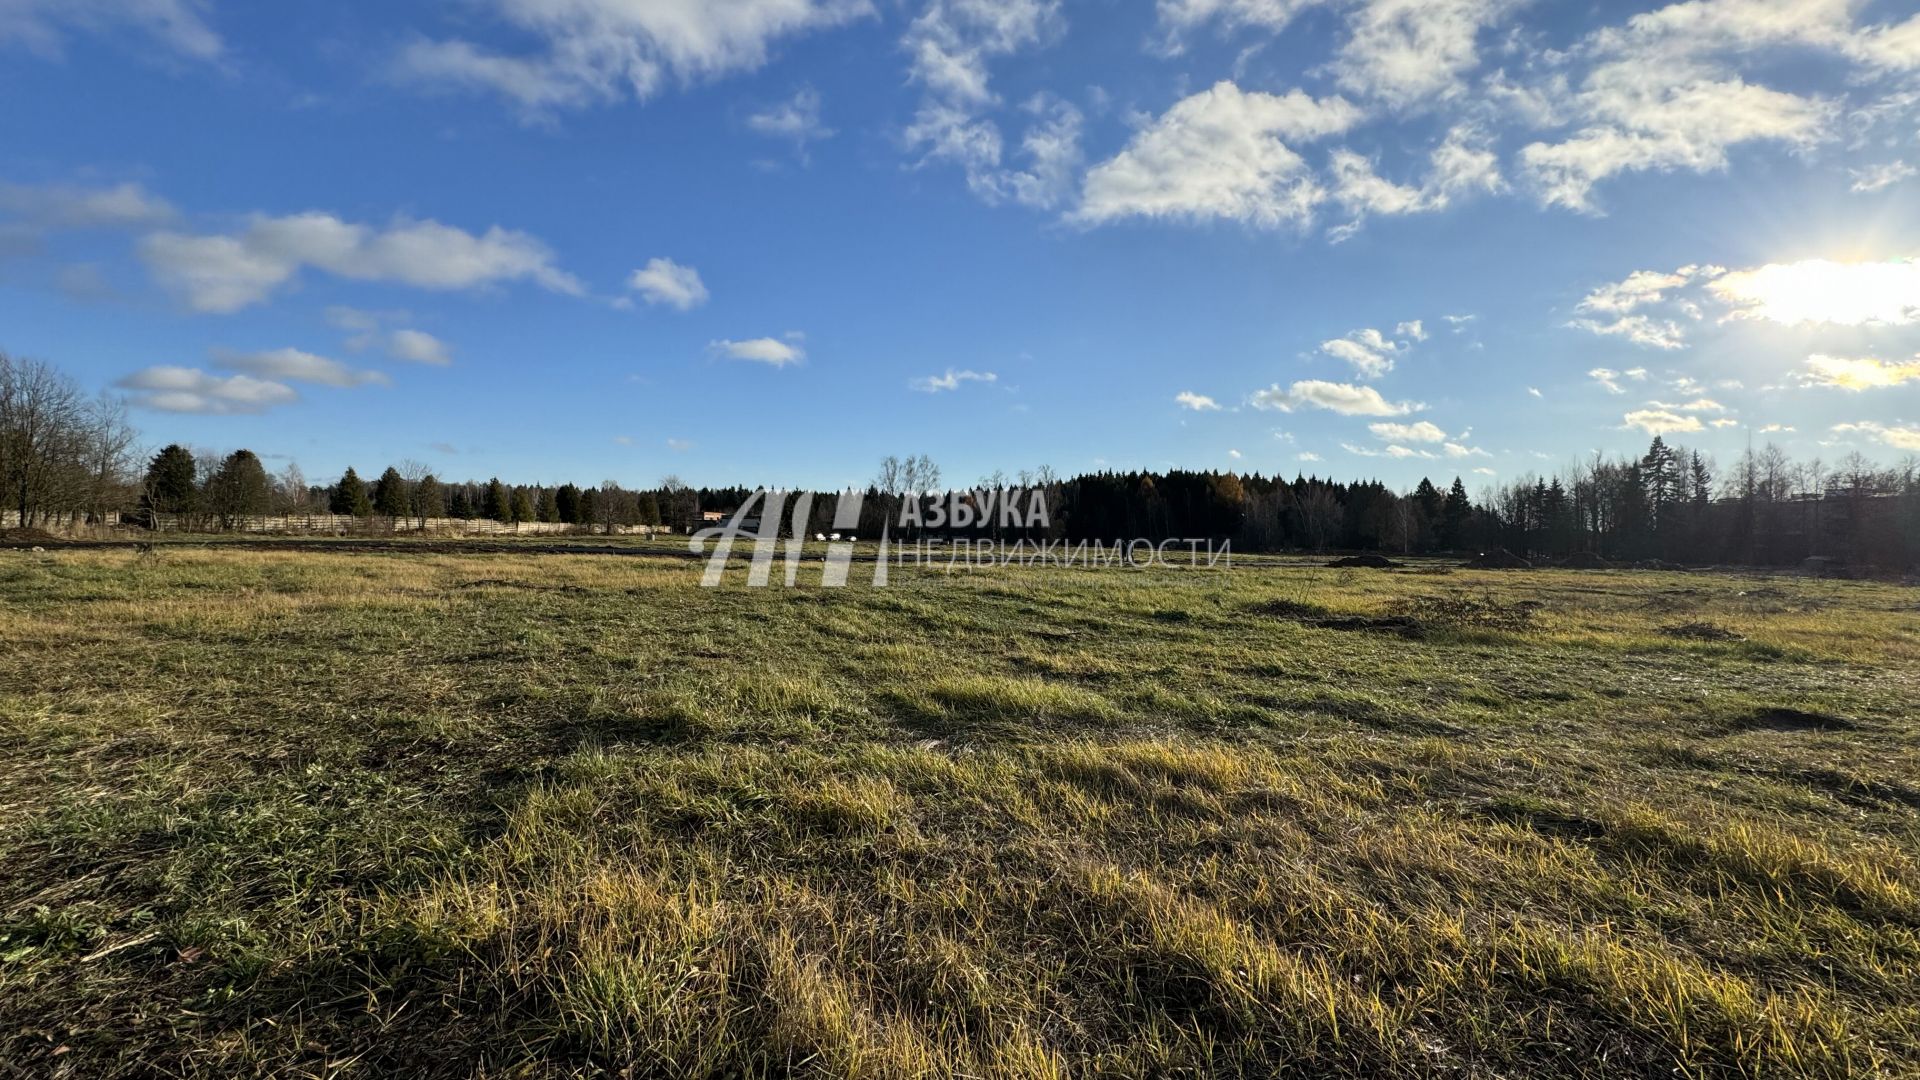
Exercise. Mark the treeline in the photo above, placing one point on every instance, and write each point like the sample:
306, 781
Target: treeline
67, 458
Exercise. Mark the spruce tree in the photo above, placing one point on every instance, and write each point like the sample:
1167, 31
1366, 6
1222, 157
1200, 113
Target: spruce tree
390, 497
350, 496
429, 501
495, 504
171, 484
522, 506
239, 489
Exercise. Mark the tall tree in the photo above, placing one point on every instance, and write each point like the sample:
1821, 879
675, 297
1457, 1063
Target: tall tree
429, 500
496, 503
391, 499
172, 482
239, 489
350, 496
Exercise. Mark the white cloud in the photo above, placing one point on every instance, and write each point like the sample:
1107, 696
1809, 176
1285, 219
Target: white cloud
1650, 111
663, 281
1460, 450
610, 50
764, 350
1342, 398
43, 25
225, 273
797, 119
1187, 399
1899, 437
1420, 431
1220, 154
1877, 177
1461, 164
1413, 52
679, 446
1234, 454
419, 347
1822, 291
1308, 455
1642, 330
1180, 17
1770, 429
298, 366
189, 390
951, 44
1703, 404
1865, 373
933, 384
1661, 421
1368, 350
123, 206
1610, 379
1412, 328
1534, 391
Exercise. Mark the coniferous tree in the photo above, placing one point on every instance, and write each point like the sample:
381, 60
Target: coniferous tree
522, 508
390, 496
171, 485
350, 496
1455, 514
496, 504
239, 489
566, 502
546, 508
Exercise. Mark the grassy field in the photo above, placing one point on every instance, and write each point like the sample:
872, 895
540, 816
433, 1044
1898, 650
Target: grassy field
330, 815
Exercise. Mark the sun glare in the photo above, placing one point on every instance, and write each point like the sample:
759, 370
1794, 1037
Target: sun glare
1821, 291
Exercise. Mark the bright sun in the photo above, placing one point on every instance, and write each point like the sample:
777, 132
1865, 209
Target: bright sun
1818, 290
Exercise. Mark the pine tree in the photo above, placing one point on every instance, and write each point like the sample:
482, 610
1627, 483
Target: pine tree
390, 496
546, 509
566, 502
522, 509
459, 505
350, 496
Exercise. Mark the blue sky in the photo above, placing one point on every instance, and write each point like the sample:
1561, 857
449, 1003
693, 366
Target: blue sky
771, 241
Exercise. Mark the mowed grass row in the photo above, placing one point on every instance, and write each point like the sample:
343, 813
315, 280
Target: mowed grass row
327, 815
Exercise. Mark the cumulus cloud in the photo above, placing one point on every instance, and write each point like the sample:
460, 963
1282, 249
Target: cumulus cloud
1614, 309
1661, 421
1370, 352
224, 273
418, 347
1420, 431
1413, 52
764, 350
1221, 154
1187, 399
44, 25
933, 384
1900, 437
663, 281
297, 366
167, 388
597, 51
1865, 373
1342, 398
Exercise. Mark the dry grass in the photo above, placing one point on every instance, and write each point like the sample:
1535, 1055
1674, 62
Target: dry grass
429, 814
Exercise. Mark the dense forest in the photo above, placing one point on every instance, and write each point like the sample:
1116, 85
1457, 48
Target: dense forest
66, 458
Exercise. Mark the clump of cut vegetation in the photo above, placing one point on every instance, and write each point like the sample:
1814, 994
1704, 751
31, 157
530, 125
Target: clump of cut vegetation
445, 815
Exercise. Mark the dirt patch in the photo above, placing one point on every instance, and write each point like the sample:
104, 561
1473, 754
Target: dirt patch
26, 536
1364, 562
1319, 618
1788, 720
1499, 559
1699, 631
1586, 560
